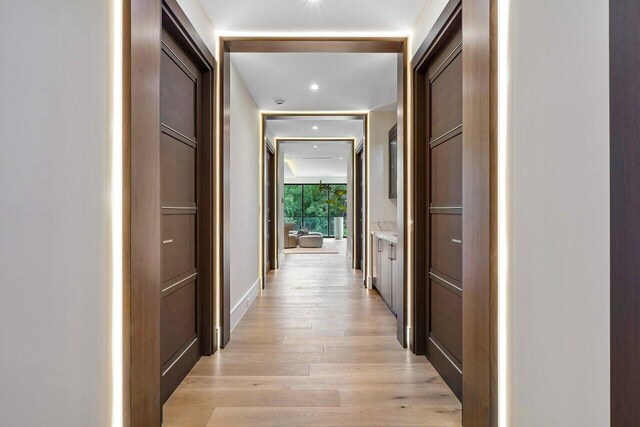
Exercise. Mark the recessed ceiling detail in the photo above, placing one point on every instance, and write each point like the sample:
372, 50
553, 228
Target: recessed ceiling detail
281, 16
302, 128
343, 81
327, 159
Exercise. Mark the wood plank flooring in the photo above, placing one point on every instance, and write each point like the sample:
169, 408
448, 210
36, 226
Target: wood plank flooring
315, 348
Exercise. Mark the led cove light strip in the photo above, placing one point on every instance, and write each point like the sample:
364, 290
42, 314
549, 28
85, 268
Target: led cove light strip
117, 372
503, 249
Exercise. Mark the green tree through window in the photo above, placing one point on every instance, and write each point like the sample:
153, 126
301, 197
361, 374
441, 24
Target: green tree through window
306, 206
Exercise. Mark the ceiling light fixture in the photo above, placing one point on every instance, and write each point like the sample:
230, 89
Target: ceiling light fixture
315, 146
340, 158
315, 128
314, 87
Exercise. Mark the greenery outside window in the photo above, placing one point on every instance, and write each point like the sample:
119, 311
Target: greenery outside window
306, 206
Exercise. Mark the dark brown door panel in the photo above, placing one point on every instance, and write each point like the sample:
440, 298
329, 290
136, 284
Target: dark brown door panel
443, 146
178, 163
446, 173
178, 319
446, 317
180, 114
179, 245
446, 244
177, 97
446, 99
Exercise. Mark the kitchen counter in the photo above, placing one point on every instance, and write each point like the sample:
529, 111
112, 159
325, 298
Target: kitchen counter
389, 236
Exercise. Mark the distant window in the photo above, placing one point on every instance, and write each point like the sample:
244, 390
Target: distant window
306, 206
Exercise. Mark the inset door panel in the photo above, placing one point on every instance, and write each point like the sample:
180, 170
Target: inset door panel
179, 328
446, 99
446, 173
446, 244
178, 95
178, 163
174, 371
446, 318
179, 245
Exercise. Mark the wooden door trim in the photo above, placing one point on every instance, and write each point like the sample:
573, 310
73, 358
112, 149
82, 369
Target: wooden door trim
259, 44
350, 140
270, 198
479, 24
625, 211
143, 22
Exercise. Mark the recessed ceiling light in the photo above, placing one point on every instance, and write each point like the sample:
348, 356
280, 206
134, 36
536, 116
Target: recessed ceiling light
314, 87
315, 128
340, 158
315, 146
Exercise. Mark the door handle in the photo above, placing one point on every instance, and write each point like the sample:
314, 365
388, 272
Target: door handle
458, 241
166, 242
379, 245
392, 252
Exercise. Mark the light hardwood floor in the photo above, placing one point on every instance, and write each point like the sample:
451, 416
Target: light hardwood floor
315, 348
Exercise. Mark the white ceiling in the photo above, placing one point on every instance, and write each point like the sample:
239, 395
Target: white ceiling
303, 128
279, 16
348, 81
316, 159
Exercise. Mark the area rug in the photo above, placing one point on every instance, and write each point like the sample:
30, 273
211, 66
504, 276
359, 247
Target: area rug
329, 247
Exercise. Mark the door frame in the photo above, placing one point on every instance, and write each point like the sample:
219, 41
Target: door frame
625, 212
142, 28
352, 141
261, 44
478, 19
270, 199
358, 180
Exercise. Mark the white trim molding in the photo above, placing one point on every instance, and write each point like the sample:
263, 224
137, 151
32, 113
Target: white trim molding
241, 308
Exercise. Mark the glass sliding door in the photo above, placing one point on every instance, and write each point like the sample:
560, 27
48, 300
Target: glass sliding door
314, 209
293, 205
306, 206
337, 210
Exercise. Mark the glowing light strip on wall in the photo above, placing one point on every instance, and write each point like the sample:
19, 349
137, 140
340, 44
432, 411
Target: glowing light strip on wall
408, 192
117, 357
261, 198
369, 252
218, 208
503, 248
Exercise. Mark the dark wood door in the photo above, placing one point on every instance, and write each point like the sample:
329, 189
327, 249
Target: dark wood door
180, 108
444, 136
359, 213
270, 232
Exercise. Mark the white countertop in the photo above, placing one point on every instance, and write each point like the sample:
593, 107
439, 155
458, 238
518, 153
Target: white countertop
389, 236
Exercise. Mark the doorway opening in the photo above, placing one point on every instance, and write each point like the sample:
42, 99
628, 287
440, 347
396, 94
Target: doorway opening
259, 60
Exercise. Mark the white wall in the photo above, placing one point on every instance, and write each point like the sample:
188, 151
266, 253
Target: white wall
316, 180
201, 22
54, 204
381, 207
559, 199
245, 196
427, 18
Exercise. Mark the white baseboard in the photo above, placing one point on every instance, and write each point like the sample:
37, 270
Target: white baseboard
369, 282
238, 312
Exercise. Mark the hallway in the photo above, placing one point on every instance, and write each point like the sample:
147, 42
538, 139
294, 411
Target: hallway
316, 348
